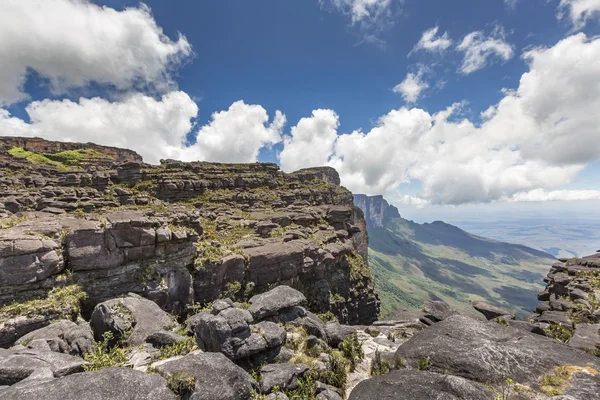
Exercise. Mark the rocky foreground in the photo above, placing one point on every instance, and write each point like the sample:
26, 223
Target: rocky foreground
123, 280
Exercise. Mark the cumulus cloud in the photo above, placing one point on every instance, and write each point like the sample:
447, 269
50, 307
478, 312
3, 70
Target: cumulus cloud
479, 48
412, 86
536, 139
430, 41
154, 128
579, 12
311, 141
157, 129
236, 135
72, 43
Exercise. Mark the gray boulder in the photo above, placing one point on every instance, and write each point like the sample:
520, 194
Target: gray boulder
586, 336
12, 329
480, 351
285, 376
437, 310
137, 316
16, 365
270, 303
215, 377
490, 311
63, 337
112, 383
336, 333
419, 385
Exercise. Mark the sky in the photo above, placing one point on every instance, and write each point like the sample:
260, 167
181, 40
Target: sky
481, 106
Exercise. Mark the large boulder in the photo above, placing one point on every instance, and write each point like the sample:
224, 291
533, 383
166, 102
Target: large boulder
14, 328
63, 337
491, 312
483, 351
133, 317
112, 383
18, 364
437, 310
284, 376
214, 376
586, 337
419, 385
336, 332
270, 303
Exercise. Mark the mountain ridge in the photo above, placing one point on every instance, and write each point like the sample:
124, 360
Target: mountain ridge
414, 262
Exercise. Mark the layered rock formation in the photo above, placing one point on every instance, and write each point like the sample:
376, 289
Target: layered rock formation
83, 223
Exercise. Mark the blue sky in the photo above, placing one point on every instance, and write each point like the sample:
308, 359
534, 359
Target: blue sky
307, 83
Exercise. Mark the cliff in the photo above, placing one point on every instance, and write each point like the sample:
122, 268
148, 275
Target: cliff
180, 234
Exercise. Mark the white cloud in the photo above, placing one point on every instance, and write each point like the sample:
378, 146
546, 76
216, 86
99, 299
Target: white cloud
511, 3
157, 129
236, 135
557, 195
154, 128
430, 41
536, 139
311, 141
361, 10
412, 86
579, 11
478, 49
74, 42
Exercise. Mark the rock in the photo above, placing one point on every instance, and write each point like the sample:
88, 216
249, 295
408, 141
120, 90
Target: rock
336, 333
270, 303
12, 329
586, 337
527, 327
215, 377
438, 310
477, 351
273, 334
16, 365
63, 337
490, 311
220, 305
556, 317
327, 392
419, 385
285, 376
163, 338
111, 383
138, 316
578, 294
561, 279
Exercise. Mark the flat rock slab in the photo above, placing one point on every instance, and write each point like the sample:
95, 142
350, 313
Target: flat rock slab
586, 336
285, 376
437, 310
112, 383
490, 311
215, 376
480, 351
419, 385
270, 303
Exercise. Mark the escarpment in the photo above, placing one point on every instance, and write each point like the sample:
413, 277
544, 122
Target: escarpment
81, 221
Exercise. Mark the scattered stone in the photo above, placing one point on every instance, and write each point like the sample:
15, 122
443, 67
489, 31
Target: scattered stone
16, 365
63, 337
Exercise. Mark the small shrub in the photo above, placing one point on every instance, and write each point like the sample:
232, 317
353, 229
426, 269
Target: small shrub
62, 302
351, 348
180, 348
327, 317
337, 375
424, 363
373, 332
105, 356
231, 290
305, 390
182, 384
379, 366
559, 332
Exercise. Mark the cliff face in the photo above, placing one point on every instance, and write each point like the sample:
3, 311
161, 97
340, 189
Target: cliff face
179, 233
377, 210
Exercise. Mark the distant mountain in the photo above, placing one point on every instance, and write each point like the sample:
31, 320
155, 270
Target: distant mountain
413, 262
